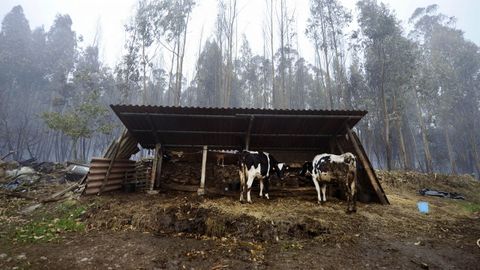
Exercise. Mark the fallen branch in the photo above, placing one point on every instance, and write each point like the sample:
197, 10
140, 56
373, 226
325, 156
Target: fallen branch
58, 196
18, 195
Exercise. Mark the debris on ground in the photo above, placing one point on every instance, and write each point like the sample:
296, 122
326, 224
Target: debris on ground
444, 194
176, 230
76, 172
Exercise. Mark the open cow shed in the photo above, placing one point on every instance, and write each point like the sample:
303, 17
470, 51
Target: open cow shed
292, 136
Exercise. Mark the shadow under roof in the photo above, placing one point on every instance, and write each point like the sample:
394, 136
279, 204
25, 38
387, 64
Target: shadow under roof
230, 128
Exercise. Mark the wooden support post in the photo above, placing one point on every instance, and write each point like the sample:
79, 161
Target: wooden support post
340, 148
331, 143
153, 176
249, 131
366, 165
201, 190
158, 173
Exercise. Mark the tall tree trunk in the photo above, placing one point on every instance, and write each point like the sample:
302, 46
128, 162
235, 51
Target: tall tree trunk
423, 129
144, 63
282, 53
176, 97
328, 88
386, 121
74, 148
453, 166
398, 122
476, 156
338, 74
170, 80
414, 160
274, 91
319, 74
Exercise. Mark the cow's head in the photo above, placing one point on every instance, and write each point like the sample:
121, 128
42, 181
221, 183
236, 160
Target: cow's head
348, 158
280, 169
277, 167
307, 169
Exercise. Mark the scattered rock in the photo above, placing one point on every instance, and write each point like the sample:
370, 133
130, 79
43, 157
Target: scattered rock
21, 257
43, 258
31, 208
3, 256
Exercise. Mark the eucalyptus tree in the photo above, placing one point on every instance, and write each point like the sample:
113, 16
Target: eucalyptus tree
170, 20
448, 73
389, 63
61, 56
326, 26
226, 22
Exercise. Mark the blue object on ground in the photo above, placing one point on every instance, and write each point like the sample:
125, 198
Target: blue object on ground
423, 207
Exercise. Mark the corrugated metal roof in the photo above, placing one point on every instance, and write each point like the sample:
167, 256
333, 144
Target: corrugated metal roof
227, 128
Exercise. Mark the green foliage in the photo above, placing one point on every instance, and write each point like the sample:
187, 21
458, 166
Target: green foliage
82, 121
470, 207
66, 219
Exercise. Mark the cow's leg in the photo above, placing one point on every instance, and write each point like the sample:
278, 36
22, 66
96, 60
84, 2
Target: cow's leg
324, 192
352, 195
261, 188
317, 187
267, 187
242, 184
249, 187
348, 192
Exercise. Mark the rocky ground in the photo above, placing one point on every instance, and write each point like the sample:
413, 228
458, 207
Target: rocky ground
174, 230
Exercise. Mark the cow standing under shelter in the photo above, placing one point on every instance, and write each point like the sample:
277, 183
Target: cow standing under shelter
257, 164
328, 168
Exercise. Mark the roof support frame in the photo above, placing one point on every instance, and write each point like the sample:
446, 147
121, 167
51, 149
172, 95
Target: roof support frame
235, 133
249, 131
154, 128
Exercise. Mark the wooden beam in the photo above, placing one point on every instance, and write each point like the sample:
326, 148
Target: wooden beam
154, 167
237, 147
154, 129
249, 131
339, 146
366, 165
235, 133
201, 190
331, 144
158, 173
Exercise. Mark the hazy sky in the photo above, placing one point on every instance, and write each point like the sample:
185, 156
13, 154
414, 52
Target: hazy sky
109, 16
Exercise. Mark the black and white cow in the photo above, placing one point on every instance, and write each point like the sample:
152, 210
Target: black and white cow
329, 168
259, 165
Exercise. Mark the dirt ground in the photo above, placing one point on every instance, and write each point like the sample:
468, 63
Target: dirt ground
173, 230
